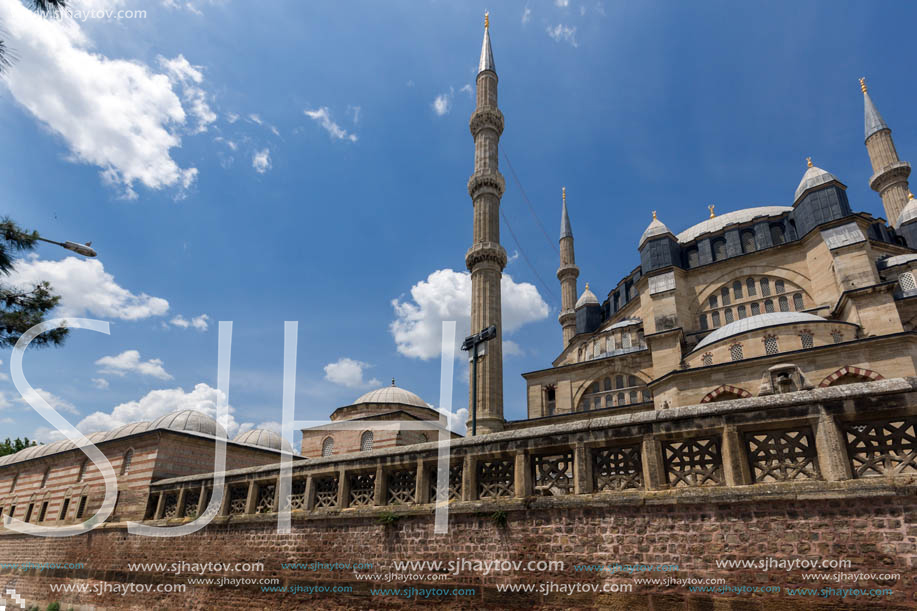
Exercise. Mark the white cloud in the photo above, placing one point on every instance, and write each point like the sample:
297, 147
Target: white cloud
232, 117
348, 372
466, 88
446, 295
355, 112
562, 3
442, 103
526, 15
115, 114
323, 117
261, 161
563, 33
100, 383
158, 403
86, 289
129, 362
200, 322
181, 72
53, 400
255, 119
456, 420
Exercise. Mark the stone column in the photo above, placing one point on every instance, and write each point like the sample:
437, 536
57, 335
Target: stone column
251, 499
522, 475
380, 488
180, 510
582, 469
736, 471
470, 479
833, 461
343, 489
201, 499
160, 504
422, 489
309, 503
653, 465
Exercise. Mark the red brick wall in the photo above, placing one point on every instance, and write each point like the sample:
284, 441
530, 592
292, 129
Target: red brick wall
876, 534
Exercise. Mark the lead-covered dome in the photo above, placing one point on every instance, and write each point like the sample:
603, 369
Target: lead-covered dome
263, 438
391, 394
720, 221
760, 321
587, 298
814, 177
188, 420
654, 229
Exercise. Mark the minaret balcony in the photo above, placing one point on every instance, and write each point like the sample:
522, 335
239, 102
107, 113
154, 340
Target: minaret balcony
890, 174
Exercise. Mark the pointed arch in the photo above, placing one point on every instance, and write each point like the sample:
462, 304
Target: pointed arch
865, 375
724, 389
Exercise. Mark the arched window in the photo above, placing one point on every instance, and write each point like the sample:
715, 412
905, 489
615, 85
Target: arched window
597, 403
737, 289
632, 381
750, 285
719, 250
755, 309
619, 381
779, 287
742, 313
728, 314
693, 258
606, 384
610, 344
609, 402
724, 292
715, 317
777, 236
713, 301
625, 340
595, 387
621, 399
768, 306
797, 302
765, 287
327, 446
126, 462
748, 241
366, 441
783, 303
703, 322
633, 396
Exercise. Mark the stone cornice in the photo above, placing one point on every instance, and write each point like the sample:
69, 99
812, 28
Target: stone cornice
567, 271
492, 183
485, 252
486, 118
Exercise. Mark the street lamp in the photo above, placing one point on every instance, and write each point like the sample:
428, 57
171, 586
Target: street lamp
80, 249
471, 343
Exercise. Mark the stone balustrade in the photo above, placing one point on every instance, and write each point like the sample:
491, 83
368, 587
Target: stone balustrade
813, 443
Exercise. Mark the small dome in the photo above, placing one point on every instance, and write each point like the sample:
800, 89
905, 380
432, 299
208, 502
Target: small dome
187, 420
760, 321
392, 394
263, 438
587, 298
655, 228
910, 210
729, 218
814, 177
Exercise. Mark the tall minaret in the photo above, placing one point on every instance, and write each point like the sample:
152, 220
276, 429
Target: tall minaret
486, 258
890, 174
567, 274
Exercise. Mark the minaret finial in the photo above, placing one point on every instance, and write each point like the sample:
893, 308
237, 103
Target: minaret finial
710, 208
486, 20
563, 193
393, 381
910, 195
654, 215
863, 84
587, 286
809, 161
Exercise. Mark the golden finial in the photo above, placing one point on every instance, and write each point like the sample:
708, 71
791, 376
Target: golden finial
910, 195
863, 84
587, 286
654, 215
563, 193
809, 161
710, 208
486, 20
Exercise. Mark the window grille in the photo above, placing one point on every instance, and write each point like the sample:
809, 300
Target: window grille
770, 345
327, 446
735, 351
366, 441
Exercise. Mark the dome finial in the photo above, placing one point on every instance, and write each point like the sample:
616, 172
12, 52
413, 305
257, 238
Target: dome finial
710, 208
563, 194
393, 381
654, 215
587, 286
910, 195
863, 84
809, 162
486, 20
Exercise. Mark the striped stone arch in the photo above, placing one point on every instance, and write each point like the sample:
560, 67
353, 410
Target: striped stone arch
722, 389
867, 374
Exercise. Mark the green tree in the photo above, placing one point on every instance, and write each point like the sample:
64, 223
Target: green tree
45, 7
11, 447
23, 307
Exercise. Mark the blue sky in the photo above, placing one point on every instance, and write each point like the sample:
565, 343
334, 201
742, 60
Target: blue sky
309, 163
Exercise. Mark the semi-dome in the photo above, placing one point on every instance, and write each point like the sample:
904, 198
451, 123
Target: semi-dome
760, 321
720, 221
655, 228
263, 438
391, 394
910, 210
587, 298
187, 420
814, 177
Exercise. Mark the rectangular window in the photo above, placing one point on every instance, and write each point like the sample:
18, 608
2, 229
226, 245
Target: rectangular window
64, 508
43, 512
735, 351
770, 345
807, 340
28, 512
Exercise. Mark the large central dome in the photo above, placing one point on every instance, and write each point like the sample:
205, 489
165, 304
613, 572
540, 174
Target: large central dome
392, 394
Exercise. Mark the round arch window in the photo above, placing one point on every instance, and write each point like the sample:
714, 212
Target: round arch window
366, 441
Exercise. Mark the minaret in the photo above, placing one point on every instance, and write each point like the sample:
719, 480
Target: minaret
890, 174
567, 274
486, 258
